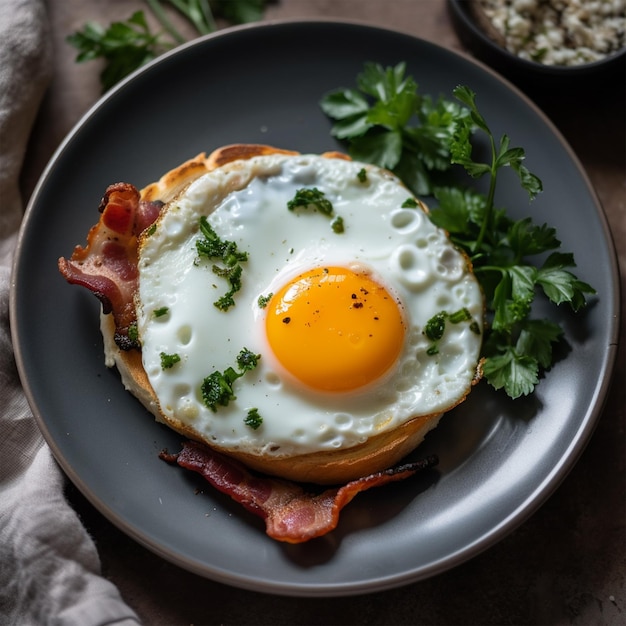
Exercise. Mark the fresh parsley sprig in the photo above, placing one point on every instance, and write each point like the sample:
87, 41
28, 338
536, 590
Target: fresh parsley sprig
502, 156
387, 122
518, 346
126, 45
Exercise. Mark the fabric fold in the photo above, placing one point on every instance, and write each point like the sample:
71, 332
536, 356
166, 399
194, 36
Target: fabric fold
50, 571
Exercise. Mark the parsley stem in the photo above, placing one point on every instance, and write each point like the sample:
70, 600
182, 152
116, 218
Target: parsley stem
490, 196
489, 268
198, 12
159, 13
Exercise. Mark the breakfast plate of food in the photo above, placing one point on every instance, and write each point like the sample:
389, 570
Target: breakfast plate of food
302, 318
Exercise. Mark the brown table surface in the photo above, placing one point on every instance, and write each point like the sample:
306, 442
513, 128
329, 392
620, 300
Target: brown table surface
565, 565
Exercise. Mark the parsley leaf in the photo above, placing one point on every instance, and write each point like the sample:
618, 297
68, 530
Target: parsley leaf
516, 373
514, 366
239, 11
559, 284
386, 121
501, 252
127, 45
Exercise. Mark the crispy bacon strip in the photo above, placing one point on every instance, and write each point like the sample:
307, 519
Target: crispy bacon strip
291, 514
108, 265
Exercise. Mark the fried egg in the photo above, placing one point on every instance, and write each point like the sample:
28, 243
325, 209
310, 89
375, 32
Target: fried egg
336, 299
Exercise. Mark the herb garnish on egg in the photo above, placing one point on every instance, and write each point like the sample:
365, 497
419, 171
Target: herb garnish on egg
344, 361
215, 248
337, 225
133, 332
314, 198
263, 300
253, 419
436, 326
305, 198
169, 360
217, 388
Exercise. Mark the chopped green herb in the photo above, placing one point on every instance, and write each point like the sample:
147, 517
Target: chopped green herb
247, 360
462, 315
409, 203
133, 332
151, 230
169, 360
314, 198
311, 197
362, 175
253, 419
233, 276
337, 225
160, 312
436, 326
212, 247
263, 301
217, 388
215, 248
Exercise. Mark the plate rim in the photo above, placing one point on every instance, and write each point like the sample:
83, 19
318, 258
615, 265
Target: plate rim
515, 518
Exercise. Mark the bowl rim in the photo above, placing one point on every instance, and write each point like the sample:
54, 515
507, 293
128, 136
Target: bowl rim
462, 17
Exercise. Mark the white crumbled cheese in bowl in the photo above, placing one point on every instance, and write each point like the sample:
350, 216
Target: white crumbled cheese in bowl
559, 32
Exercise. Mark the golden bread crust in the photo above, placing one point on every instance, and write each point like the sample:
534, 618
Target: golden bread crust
328, 467
174, 181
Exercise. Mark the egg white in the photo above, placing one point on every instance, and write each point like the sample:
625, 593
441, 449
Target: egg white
246, 202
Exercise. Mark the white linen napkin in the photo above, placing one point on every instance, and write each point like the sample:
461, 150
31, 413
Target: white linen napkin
49, 566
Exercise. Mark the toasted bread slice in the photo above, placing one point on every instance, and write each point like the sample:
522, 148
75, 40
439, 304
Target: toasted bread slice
379, 452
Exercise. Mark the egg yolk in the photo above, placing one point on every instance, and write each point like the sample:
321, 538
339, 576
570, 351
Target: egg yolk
334, 329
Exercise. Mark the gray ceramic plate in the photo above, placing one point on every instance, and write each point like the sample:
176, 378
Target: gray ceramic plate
499, 459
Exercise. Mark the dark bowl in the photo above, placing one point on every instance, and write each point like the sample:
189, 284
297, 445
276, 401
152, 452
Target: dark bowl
607, 74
